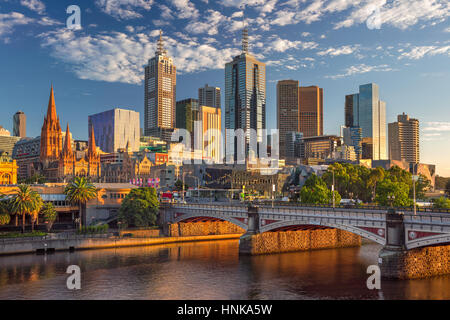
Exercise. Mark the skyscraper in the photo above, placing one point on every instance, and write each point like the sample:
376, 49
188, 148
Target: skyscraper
369, 113
115, 129
245, 97
209, 96
311, 111
187, 111
160, 94
288, 114
404, 139
211, 144
20, 124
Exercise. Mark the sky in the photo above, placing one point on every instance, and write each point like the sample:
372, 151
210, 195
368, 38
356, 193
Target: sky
402, 45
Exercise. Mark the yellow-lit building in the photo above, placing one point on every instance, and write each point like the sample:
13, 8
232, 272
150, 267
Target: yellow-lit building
8, 170
212, 128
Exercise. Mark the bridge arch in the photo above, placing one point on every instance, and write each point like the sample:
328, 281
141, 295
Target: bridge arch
361, 232
232, 220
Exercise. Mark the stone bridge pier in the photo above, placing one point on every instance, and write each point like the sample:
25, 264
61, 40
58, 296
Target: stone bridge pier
397, 262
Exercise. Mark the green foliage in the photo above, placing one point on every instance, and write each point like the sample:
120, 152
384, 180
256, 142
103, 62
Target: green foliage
315, 191
399, 190
441, 203
26, 201
447, 187
80, 190
139, 208
4, 219
179, 185
94, 229
441, 183
49, 213
22, 235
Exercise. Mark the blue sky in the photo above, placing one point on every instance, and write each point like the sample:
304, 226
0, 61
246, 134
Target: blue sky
402, 45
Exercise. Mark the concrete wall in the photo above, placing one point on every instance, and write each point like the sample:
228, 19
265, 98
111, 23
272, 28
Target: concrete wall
203, 228
275, 242
415, 263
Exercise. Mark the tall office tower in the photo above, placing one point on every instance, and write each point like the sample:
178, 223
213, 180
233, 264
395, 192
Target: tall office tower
245, 98
209, 96
288, 115
20, 124
311, 111
211, 142
404, 139
187, 112
369, 113
160, 94
115, 129
353, 137
293, 140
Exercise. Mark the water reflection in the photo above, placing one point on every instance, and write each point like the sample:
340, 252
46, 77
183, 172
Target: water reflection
207, 270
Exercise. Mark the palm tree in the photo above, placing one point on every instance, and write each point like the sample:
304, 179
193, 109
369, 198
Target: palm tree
26, 201
49, 213
80, 191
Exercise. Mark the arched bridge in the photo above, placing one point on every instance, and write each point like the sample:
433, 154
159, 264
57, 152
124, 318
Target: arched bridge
393, 228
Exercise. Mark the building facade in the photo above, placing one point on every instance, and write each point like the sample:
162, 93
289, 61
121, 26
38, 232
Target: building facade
209, 96
368, 112
404, 139
288, 113
311, 111
245, 98
160, 94
116, 128
353, 138
20, 124
7, 142
8, 169
211, 130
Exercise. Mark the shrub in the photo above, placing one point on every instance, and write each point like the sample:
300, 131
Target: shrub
4, 219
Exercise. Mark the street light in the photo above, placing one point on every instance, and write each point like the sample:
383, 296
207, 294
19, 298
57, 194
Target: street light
332, 190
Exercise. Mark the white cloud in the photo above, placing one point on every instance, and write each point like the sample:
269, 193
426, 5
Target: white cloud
419, 52
360, 69
281, 45
344, 50
209, 26
124, 9
34, 5
120, 57
185, 9
10, 20
437, 126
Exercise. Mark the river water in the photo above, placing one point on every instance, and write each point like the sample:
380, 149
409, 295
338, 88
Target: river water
207, 270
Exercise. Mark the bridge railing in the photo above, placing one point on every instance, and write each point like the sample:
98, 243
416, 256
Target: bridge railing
310, 205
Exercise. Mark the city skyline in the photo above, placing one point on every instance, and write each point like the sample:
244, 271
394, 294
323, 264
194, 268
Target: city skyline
414, 83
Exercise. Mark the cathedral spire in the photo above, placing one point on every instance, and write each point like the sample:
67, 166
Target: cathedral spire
51, 110
67, 150
92, 148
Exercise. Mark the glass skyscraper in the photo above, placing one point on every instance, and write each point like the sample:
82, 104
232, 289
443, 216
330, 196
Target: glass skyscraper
245, 97
367, 111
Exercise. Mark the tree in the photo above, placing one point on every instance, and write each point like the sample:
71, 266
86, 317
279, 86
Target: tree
375, 176
315, 191
78, 192
49, 213
179, 185
26, 201
399, 190
441, 203
139, 208
447, 188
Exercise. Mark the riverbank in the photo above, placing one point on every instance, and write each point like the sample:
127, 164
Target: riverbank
77, 242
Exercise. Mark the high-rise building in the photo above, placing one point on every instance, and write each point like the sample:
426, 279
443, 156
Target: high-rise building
293, 146
20, 124
404, 139
160, 94
288, 115
187, 112
353, 137
245, 98
115, 129
311, 111
211, 126
368, 112
209, 96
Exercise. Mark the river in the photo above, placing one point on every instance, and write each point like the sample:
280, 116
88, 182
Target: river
207, 270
